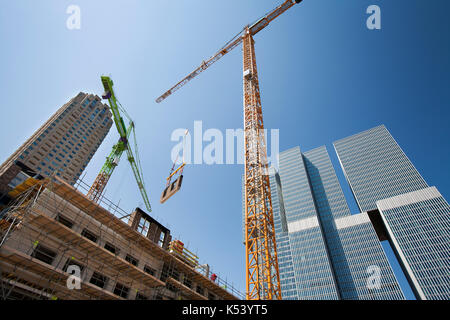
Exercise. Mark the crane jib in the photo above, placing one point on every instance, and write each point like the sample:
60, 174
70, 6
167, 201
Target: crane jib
255, 28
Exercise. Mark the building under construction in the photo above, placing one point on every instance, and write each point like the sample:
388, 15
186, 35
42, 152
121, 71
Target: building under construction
49, 230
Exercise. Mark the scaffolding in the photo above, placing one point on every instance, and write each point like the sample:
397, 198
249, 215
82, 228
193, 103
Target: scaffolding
178, 249
195, 283
50, 225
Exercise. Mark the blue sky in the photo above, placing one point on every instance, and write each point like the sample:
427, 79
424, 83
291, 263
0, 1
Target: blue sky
323, 76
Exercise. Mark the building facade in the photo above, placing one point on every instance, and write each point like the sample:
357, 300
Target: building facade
63, 145
414, 217
311, 261
355, 250
324, 251
418, 224
376, 167
61, 238
285, 266
57, 243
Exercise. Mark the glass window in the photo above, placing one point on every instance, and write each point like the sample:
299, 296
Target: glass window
143, 226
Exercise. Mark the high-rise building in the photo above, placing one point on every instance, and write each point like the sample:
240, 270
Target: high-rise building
311, 262
355, 250
324, 251
376, 167
63, 145
414, 217
285, 266
418, 225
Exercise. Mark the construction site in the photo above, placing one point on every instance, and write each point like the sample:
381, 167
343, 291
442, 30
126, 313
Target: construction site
61, 239
64, 240
51, 225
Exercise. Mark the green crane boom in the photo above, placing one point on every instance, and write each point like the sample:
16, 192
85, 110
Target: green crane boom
122, 145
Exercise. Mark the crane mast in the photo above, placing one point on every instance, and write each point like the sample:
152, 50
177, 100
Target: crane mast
262, 278
262, 272
110, 164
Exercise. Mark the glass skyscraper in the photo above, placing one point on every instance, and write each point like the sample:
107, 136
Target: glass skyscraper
287, 278
376, 167
323, 251
418, 223
353, 244
414, 217
313, 272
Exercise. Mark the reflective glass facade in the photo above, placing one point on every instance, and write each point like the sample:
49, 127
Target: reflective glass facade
376, 167
419, 226
313, 272
352, 242
287, 278
323, 251
416, 217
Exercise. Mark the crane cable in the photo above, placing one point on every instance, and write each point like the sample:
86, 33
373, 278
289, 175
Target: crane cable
183, 163
136, 150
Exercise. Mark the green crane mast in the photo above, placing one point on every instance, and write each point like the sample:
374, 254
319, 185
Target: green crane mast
122, 145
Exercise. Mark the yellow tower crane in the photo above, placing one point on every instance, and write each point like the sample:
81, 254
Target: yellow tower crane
262, 274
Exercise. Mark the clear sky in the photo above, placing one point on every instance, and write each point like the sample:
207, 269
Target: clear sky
323, 76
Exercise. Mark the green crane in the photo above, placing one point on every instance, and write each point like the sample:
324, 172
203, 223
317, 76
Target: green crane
118, 149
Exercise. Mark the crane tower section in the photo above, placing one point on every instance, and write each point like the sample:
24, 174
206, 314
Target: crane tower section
262, 274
